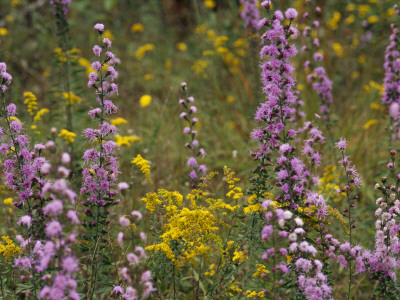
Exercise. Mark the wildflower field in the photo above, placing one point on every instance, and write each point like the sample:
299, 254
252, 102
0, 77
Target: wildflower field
199, 149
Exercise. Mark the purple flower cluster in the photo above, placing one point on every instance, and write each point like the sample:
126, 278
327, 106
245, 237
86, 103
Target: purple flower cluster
307, 269
101, 170
50, 259
318, 77
134, 259
21, 166
292, 175
61, 7
250, 15
391, 81
193, 145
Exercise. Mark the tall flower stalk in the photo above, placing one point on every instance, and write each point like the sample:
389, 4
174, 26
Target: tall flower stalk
101, 170
193, 145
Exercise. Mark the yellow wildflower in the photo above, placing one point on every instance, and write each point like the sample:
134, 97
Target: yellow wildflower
333, 23
338, 49
145, 100
137, 27
349, 20
239, 256
67, 135
40, 114
142, 50
71, 98
9, 250
8, 201
181, 47
148, 76
199, 66
107, 34
118, 121
31, 102
230, 99
369, 124
234, 192
3, 31
125, 140
144, 166
210, 4
373, 19
260, 270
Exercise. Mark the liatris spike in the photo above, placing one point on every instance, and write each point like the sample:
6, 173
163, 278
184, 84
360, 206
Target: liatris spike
193, 145
101, 169
250, 15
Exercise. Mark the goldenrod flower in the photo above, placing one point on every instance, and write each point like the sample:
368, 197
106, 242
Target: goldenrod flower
67, 135
145, 100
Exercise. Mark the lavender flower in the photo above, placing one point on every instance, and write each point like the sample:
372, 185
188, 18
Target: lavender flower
250, 15
193, 145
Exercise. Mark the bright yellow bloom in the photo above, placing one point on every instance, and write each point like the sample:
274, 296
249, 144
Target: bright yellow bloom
86, 64
230, 99
369, 124
144, 166
333, 23
181, 47
137, 27
118, 121
234, 192
260, 270
15, 2
349, 20
373, 19
363, 9
125, 140
40, 114
199, 66
67, 135
252, 294
3, 31
71, 98
240, 257
31, 102
145, 100
338, 49
210, 4
108, 34
142, 50
8, 201
148, 76
9, 250
201, 29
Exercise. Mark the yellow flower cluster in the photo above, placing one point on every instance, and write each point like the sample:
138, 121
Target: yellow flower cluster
8, 201
252, 294
145, 100
339, 217
239, 257
31, 102
142, 50
234, 191
62, 56
144, 166
211, 271
125, 140
118, 121
40, 114
329, 184
71, 98
9, 250
68, 136
260, 270
194, 225
137, 27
